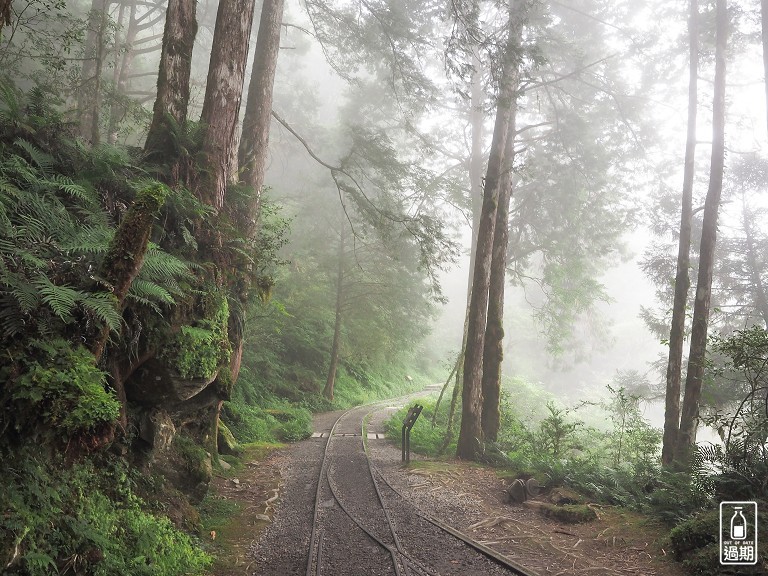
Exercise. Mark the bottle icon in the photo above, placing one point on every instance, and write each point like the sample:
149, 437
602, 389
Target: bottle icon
738, 525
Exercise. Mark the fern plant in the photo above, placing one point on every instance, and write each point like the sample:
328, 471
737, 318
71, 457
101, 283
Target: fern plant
59, 202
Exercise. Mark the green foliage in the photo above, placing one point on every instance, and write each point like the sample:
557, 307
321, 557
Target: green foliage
56, 206
194, 456
198, 351
64, 392
86, 519
425, 438
739, 468
557, 434
695, 542
279, 421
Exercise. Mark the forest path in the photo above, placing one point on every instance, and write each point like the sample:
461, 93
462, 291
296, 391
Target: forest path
468, 497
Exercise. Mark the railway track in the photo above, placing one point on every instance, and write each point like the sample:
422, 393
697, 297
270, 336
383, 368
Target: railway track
362, 525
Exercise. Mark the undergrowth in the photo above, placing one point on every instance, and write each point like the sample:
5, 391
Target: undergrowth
85, 518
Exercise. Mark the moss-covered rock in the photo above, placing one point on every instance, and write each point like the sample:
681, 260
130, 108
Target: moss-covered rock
226, 441
568, 513
199, 350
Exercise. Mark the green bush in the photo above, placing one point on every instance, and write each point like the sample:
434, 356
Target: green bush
65, 392
280, 421
198, 351
425, 438
86, 519
696, 543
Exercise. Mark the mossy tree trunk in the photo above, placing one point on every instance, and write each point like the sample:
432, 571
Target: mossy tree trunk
170, 109
699, 326
126, 252
470, 440
682, 279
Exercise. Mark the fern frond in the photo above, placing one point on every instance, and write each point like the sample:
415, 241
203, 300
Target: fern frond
11, 319
145, 302
188, 238
89, 240
160, 266
68, 186
11, 111
42, 160
102, 305
7, 187
60, 299
26, 297
146, 290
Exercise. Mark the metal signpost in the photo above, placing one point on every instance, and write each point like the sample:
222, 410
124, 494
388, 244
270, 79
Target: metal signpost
408, 423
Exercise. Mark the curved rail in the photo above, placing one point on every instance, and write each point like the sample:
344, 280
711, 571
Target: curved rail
396, 551
482, 548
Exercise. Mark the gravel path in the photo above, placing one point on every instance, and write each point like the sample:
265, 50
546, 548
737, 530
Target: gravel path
467, 497
350, 518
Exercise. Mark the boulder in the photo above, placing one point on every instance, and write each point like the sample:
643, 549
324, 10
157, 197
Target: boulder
157, 429
226, 442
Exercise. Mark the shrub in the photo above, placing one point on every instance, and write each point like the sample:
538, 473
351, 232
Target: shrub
86, 519
66, 392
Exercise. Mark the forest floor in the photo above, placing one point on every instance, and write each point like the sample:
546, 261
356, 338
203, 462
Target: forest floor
470, 498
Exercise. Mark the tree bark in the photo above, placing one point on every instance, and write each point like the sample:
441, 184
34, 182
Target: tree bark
493, 348
170, 109
476, 159
125, 256
470, 441
223, 93
252, 154
699, 326
330, 381
123, 67
89, 93
682, 278
755, 269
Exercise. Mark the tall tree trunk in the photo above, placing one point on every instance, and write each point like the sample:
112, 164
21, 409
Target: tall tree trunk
755, 269
764, 22
330, 381
493, 349
170, 109
476, 159
223, 93
699, 326
682, 279
123, 67
89, 94
258, 108
470, 441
